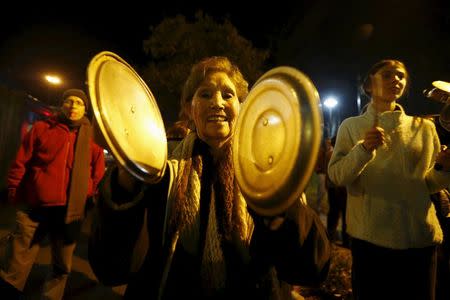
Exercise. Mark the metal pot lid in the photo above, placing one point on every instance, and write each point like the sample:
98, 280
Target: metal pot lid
277, 140
127, 116
442, 85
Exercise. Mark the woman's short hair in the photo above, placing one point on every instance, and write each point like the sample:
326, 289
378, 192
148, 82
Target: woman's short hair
365, 85
201, 70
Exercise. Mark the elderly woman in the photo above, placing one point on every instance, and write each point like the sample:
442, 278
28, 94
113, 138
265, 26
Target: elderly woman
385, 158
191, 235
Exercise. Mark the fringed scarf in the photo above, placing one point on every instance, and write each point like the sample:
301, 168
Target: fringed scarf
78, 185
227, 218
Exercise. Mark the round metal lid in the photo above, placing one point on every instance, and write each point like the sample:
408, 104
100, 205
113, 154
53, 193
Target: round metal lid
442, 85
127, 116
277, 140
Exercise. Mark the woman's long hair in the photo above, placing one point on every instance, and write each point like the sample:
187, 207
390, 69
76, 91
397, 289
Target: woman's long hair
366, 82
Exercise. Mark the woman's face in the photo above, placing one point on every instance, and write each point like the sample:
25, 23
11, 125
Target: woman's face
214, 109
388, 83
73, 108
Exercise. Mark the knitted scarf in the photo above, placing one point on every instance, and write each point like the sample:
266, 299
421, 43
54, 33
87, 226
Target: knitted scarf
227, 217
78, 185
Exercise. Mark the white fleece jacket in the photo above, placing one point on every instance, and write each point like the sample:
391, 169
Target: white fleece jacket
389, 188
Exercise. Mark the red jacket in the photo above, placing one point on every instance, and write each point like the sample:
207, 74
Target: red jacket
42, 168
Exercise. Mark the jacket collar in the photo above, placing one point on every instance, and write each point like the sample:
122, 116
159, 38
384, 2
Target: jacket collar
386, 118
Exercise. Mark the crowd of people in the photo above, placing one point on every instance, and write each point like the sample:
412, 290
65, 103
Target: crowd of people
191, 235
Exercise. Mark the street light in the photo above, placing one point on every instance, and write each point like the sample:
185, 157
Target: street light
330, 102
52, 80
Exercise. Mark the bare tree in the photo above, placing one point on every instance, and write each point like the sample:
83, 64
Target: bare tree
176, 44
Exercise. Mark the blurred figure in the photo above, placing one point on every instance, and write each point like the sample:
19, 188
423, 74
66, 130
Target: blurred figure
337, 204
58, 166
176, 133
192, 236
441, 201
321, 166
385, 159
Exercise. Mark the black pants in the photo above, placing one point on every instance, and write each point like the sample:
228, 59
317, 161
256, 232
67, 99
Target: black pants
443, 259
31, 228
337, 202
383, 273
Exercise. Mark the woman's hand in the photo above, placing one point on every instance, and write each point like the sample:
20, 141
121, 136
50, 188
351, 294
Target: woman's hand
374, 138
274, 223
126, 180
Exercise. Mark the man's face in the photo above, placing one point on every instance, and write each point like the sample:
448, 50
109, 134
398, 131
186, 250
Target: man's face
73, 108
214, 109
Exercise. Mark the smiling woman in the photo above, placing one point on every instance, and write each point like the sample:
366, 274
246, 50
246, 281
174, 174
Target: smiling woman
204, 242
214, 104
214, 108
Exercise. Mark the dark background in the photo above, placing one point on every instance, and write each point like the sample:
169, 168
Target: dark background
333, 42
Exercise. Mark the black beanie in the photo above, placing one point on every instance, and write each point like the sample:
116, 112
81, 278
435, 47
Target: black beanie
77, 93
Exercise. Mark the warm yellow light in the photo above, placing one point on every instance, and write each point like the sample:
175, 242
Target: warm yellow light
442, 85
53, 79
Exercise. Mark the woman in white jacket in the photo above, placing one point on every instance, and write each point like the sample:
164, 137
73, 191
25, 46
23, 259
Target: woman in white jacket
385, 158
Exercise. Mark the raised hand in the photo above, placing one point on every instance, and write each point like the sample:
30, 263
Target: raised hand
374, 137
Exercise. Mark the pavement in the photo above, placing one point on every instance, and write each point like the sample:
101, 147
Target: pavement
82, 283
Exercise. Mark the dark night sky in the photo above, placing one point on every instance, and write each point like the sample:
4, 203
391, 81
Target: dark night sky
325, 39
63, 40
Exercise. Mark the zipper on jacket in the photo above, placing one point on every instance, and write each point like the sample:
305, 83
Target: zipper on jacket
64, 192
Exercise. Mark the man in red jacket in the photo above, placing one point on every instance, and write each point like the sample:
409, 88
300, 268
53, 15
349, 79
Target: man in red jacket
57, 167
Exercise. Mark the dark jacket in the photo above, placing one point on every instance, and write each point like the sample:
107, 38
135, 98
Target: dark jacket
40, 174
128, 246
